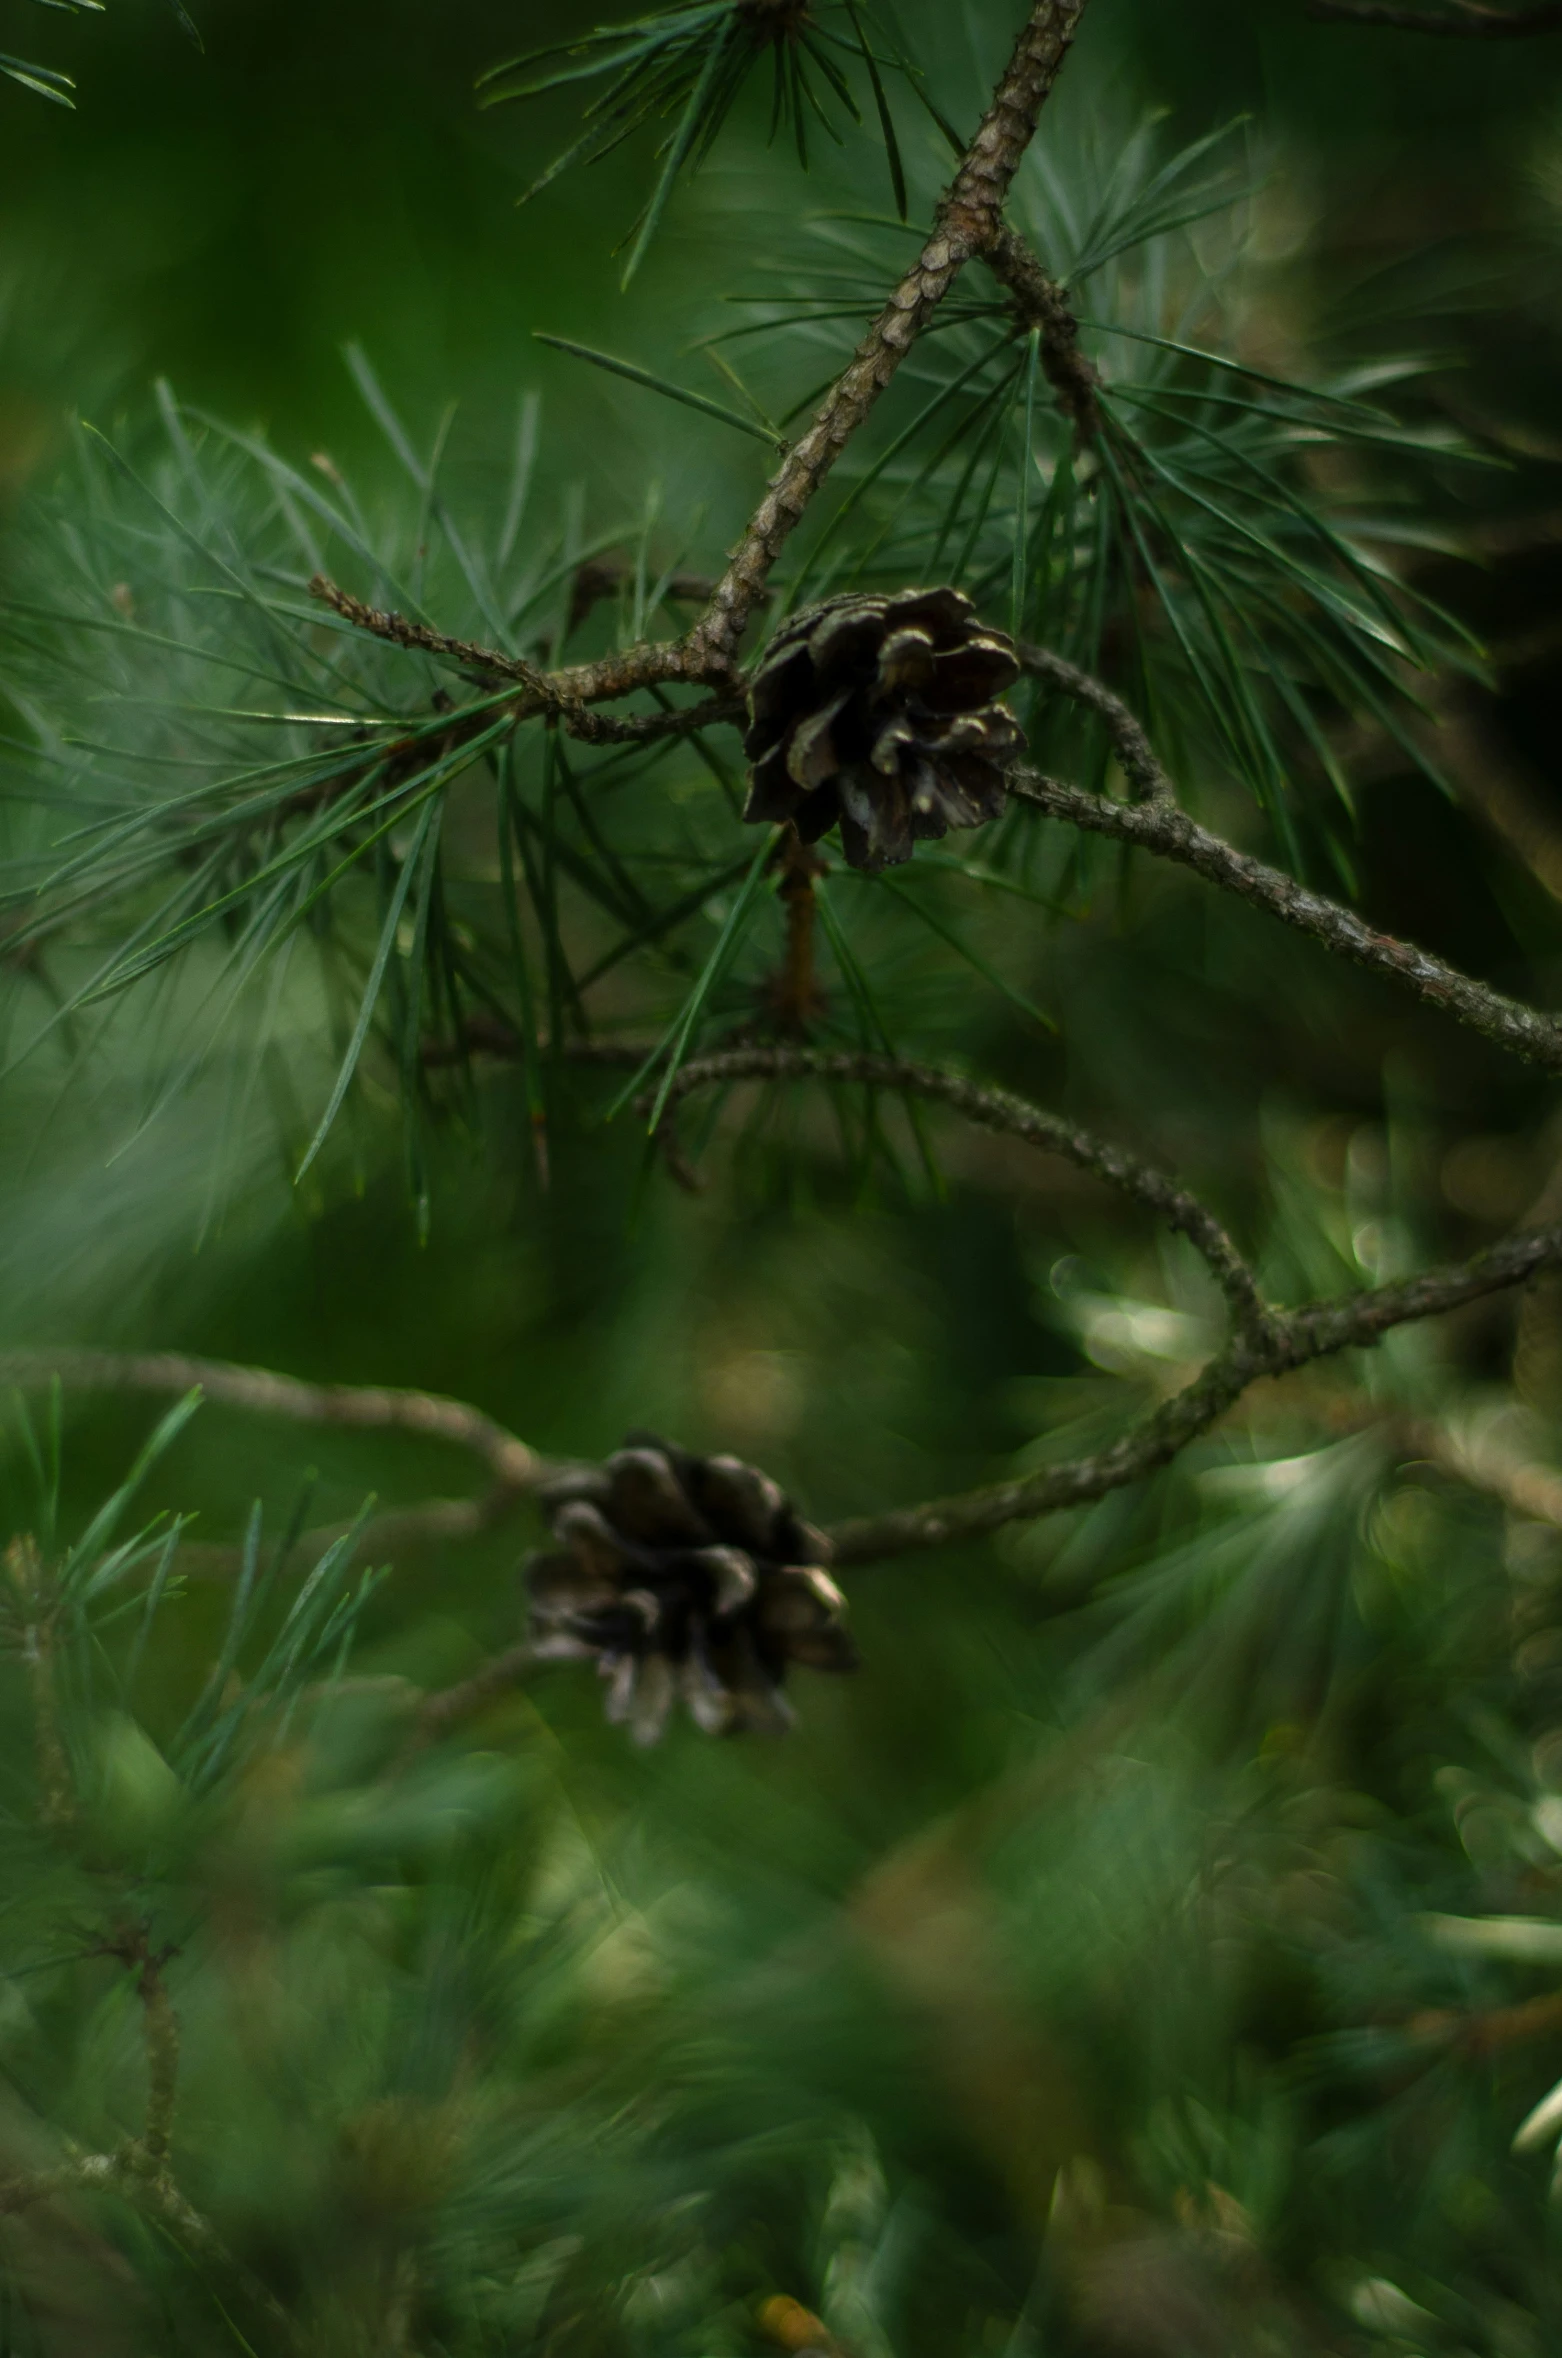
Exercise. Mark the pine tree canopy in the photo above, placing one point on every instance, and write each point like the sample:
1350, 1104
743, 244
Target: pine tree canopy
781, 1359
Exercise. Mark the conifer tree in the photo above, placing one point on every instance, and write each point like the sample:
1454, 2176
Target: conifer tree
974, 795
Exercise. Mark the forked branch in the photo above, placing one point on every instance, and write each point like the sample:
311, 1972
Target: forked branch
140, 2168
1296, 1337
1140, 762
1040, 303
515, 1471
1267, 1341
995, 1109
564, 696
967, 223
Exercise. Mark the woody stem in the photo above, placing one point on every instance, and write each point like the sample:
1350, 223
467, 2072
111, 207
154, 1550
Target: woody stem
799, 991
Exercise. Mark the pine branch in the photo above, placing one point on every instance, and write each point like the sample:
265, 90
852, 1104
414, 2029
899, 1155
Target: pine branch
1141, 764
402, 633
995, 1109
83, 2173
1162, 828
1039, 302
516, 1469
448, 1706
140, 2169
1475, 24
1296, 1338
133, 1948
968, 222
565, 695
1268, 1341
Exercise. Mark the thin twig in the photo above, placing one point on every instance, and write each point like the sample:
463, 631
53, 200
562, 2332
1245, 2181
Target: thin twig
1267, 1341
140, 2169
968, 222
1040, 303
796, 996
162, 2061
365, 1407
1296, 1337
133, 1947
995, 1109
83, 2173
448, 1706
565, 695
401, 633
1140, 762
1161, 828
516, 1470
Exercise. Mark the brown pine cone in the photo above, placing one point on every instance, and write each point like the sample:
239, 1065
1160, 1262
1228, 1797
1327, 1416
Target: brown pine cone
880, 712
687, 1576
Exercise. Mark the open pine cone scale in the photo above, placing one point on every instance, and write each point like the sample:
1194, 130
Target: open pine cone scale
691, 1577
880, 714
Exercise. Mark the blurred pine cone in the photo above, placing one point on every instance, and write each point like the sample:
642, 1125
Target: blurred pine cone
686, 1576
879, 712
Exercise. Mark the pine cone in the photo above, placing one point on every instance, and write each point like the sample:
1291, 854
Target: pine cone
879, 712
687, 1576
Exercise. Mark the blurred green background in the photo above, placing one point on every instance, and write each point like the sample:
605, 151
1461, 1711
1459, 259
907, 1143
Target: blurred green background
228, 219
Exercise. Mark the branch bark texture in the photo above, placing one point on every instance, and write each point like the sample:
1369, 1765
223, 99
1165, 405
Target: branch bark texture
968, 223
1140, 762
1039, 302
1160, 827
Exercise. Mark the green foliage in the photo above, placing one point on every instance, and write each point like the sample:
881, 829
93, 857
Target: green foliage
46, 81
690, 62
43, 80
1192, 1934
261, 802
1226, 542
1155, 1950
